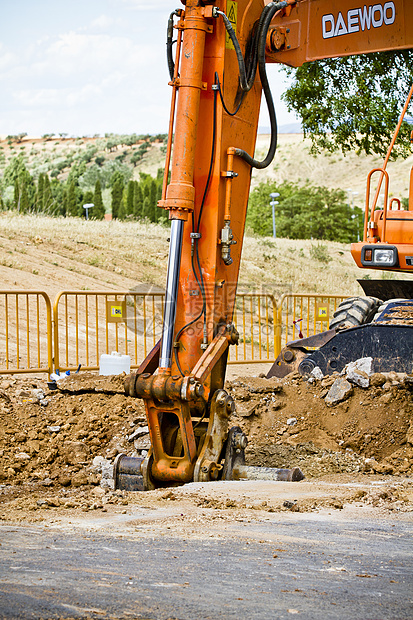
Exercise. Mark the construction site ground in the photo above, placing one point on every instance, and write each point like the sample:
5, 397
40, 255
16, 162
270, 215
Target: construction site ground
56, 454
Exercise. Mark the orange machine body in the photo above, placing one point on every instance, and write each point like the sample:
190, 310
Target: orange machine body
388, 232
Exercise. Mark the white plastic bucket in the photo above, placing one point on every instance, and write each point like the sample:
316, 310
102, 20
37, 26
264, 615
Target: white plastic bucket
114, 364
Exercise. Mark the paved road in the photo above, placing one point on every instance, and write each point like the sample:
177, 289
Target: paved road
292, 565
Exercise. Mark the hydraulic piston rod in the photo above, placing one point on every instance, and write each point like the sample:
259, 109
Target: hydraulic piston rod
172, 280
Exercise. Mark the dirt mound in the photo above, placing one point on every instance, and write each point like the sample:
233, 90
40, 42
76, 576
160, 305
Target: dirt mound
52, 436
288, 422
64, 437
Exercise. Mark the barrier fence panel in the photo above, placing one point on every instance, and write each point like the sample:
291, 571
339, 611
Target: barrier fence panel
88, 324
255, 319
305, 314
25, 332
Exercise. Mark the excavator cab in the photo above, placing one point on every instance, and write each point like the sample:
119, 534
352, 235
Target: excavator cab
380, 325
388, 232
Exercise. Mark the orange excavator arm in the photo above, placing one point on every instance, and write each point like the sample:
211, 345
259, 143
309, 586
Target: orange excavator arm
217, 77
315, 29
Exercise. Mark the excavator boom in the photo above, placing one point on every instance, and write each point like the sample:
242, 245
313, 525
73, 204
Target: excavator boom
217, 77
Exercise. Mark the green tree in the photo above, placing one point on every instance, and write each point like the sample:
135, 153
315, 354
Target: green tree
24, 199
47, 195
137, 200
353, 103
39, 193
16, 198
71, 201
304, 213
146, 208
117, 194
130, 198
99, 208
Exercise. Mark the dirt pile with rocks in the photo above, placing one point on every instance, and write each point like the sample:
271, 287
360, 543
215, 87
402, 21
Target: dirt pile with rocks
57, 446
52, 436
324, 426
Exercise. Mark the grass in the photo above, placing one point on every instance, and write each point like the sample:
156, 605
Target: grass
72, 253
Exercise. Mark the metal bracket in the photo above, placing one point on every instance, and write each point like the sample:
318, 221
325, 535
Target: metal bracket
207, 466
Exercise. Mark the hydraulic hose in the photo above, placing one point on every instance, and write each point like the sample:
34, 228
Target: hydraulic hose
169, 43
246, 83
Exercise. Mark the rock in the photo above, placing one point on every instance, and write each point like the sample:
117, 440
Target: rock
93, 479
358, 377
317, 373
49, 456
363, 364
144, 430
79, 479
107, 481
244, 411
54, 502
409, 434
291, 421
75, 452
385, 399
393, 377
377, 379
383, 468
65, 480
339, 391
22, 456
38, 393
99, 462
53, 429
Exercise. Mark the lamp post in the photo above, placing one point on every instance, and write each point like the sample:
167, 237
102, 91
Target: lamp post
88, 206
274, 202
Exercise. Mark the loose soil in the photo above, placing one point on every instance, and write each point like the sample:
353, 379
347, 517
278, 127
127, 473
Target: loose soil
57, 447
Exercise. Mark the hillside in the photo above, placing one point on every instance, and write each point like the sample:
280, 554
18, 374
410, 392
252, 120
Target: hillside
53, 254
60, 253
293, 160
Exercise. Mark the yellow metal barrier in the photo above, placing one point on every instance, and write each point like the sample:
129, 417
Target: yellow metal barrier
25, 332
89, 323
254, 317
304, 314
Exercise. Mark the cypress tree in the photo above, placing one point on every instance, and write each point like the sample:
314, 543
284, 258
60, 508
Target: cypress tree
39, 193
24, 199
146, 208
129, 199
16, 198
117, 194
137, 200
99, 208
153, 190
47, 194
71, 202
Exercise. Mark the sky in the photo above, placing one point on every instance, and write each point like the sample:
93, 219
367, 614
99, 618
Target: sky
89, 67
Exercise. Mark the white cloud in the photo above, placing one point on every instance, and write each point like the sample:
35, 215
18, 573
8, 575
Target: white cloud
102, 23
148, 5
102, 72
